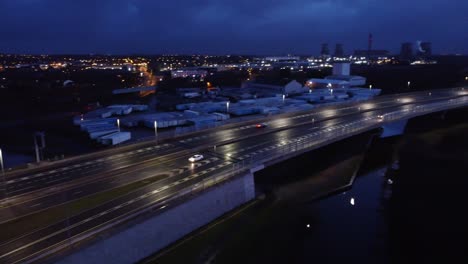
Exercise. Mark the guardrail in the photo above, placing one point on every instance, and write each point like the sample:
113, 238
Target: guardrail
426, 108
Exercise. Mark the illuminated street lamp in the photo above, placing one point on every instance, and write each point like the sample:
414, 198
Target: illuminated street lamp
370, 86
227, 107
409, 83
284, 97
118, 124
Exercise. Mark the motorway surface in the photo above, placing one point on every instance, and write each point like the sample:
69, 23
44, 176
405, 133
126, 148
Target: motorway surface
225, 149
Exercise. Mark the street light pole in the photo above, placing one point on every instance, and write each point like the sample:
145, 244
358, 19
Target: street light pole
156, 129
36, 149
3, 174
1, 162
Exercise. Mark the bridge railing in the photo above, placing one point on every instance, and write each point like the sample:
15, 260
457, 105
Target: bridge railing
426, 108
320, 137
236, 169
311, 140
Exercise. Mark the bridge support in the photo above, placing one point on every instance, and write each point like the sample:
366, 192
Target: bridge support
159, 231
394, 128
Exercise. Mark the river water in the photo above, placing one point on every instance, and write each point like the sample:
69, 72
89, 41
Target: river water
350, 226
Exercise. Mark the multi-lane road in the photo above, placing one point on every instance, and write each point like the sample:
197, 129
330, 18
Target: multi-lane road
226, 149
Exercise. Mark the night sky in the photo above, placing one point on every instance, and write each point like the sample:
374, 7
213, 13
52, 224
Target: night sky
228, 26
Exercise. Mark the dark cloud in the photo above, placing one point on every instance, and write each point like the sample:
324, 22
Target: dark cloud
217, 26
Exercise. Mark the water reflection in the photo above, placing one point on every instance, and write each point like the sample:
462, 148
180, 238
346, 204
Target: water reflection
345, 230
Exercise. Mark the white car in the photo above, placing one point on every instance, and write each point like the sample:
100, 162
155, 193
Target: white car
196, 157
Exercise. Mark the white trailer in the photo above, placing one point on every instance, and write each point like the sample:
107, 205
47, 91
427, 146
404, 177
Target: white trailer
115, 138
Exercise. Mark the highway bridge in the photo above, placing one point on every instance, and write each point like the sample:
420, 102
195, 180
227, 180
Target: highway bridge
229, 151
